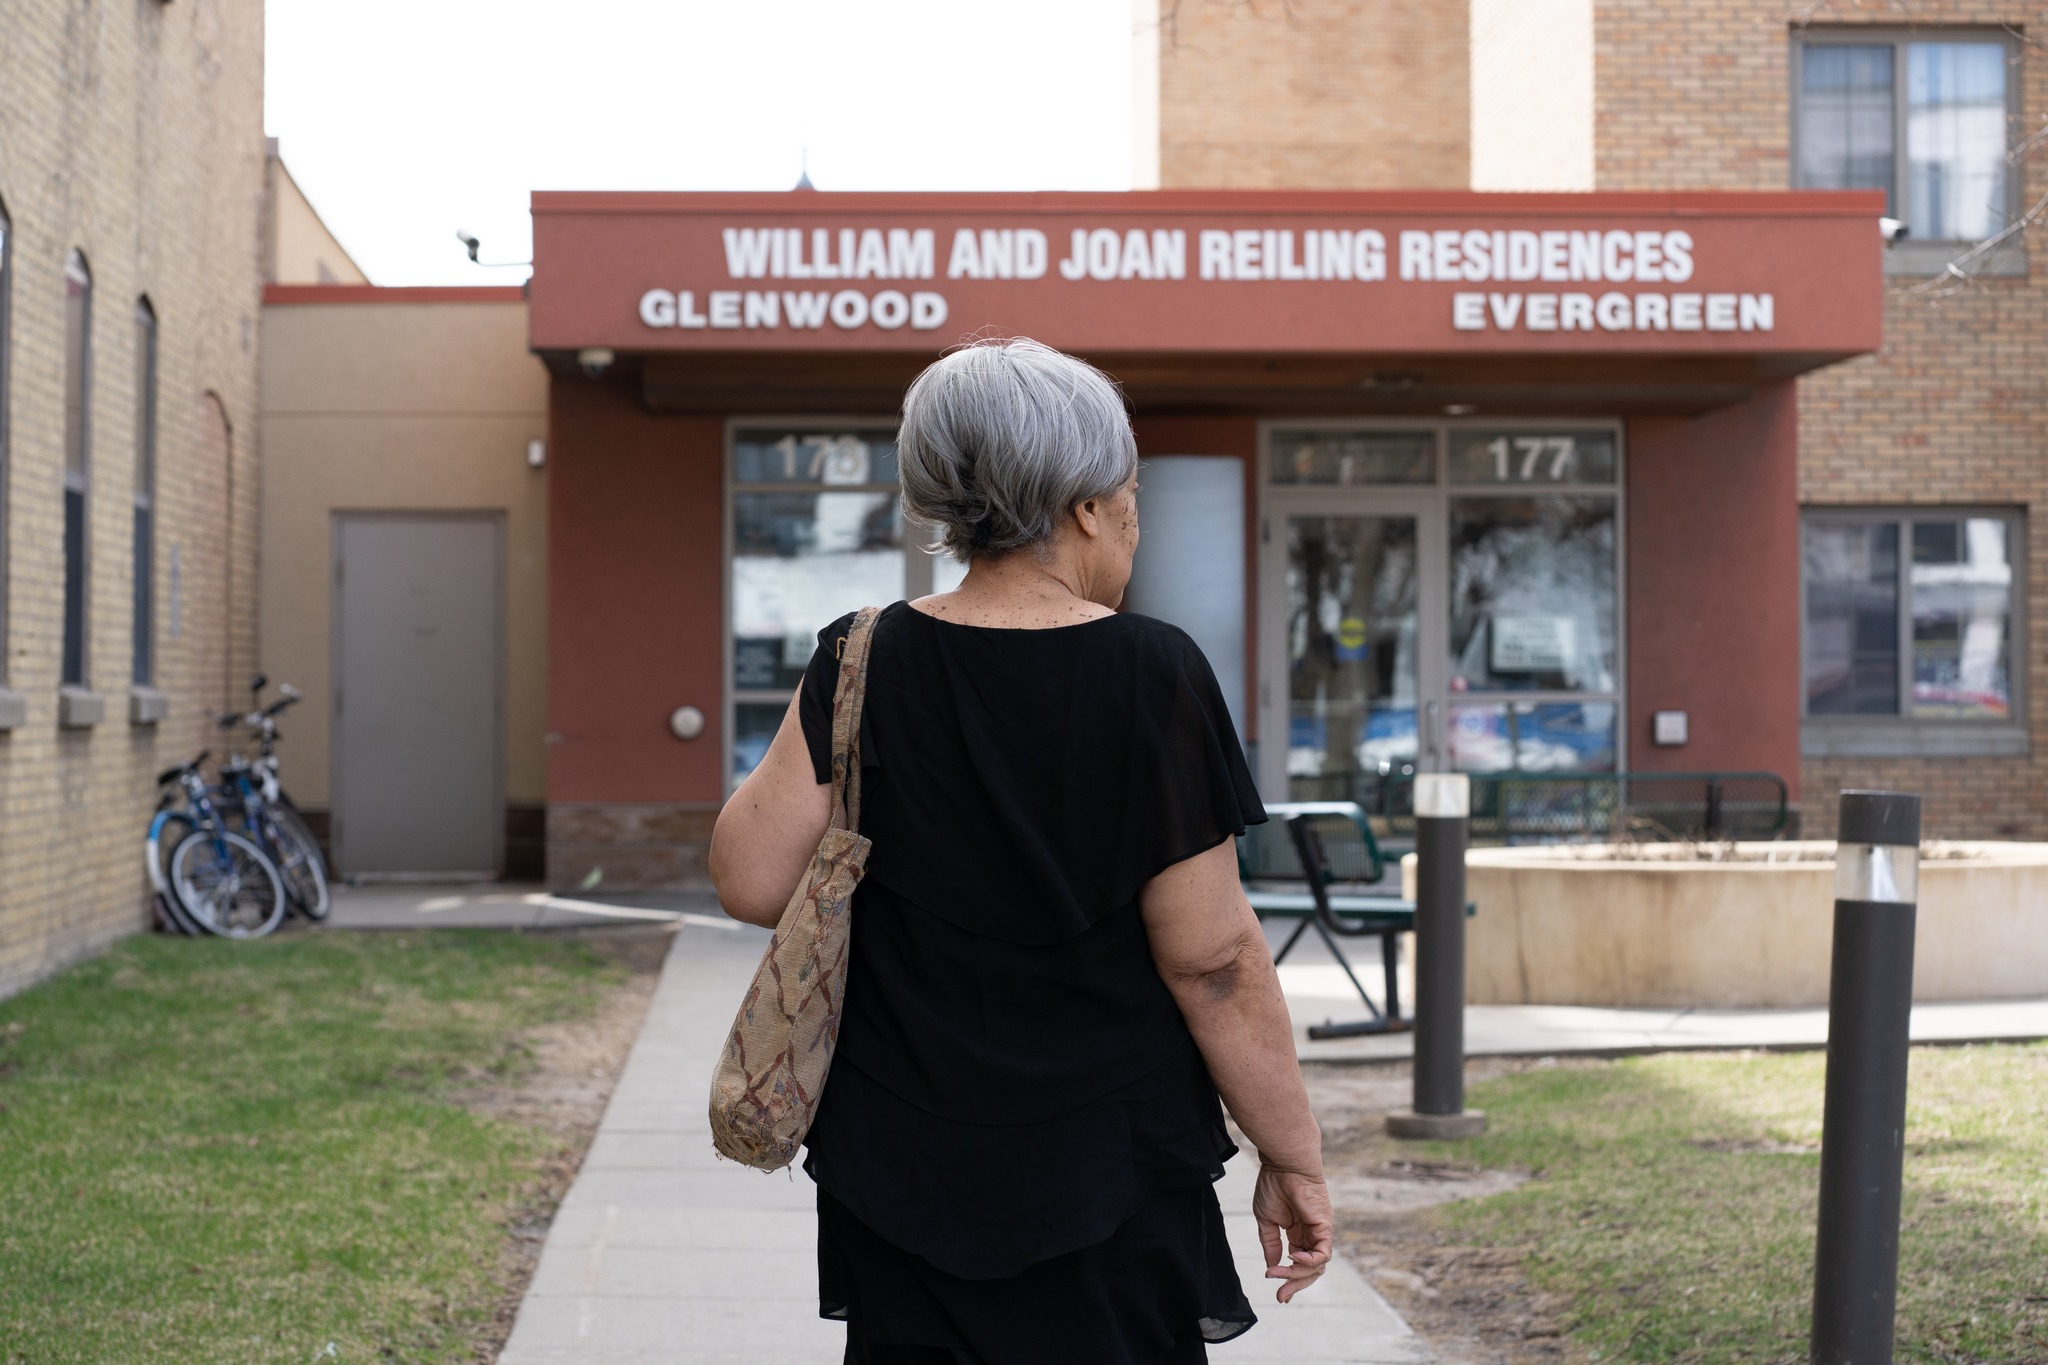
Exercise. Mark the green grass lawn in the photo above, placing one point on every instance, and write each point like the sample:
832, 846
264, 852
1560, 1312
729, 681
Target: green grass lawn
218, 1151
1675, 1206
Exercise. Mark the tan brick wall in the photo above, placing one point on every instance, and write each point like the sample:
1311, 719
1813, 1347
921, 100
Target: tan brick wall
1952, 411
1690, 95
133, 133
1257, 94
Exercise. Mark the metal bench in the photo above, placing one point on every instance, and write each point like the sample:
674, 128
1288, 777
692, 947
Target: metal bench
1318, 844
1522, 808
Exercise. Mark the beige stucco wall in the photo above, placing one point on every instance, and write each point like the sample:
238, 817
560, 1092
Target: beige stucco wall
1555, 928
298, 247
398, 406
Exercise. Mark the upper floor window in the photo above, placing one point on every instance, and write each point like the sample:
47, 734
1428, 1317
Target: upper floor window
1925, 117
145, 494
1912, 632
77, 444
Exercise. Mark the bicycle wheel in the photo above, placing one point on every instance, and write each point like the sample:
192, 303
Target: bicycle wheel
227, 884
165, 830
297, 854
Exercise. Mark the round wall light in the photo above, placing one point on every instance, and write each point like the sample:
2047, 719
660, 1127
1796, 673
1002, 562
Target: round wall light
686, 722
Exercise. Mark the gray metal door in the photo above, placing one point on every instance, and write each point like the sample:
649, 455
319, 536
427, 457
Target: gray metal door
418, 632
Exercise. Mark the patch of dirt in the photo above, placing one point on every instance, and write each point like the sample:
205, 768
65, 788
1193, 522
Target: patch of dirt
574, 1066
1473, 1305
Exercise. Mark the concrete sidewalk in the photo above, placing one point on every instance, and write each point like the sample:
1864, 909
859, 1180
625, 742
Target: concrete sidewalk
513, 905
661, 1252
1317, 992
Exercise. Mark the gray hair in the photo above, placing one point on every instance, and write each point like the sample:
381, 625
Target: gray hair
1002, 437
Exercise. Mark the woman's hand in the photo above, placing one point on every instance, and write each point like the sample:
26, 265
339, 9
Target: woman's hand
1298, 1206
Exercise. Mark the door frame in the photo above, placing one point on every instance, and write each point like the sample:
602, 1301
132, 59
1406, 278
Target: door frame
1433, 579
337, 826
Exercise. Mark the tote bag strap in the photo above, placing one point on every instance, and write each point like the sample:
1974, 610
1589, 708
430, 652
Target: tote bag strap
847, 700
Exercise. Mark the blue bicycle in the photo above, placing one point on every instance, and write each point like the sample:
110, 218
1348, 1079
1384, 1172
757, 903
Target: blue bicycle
254, 800
211, 880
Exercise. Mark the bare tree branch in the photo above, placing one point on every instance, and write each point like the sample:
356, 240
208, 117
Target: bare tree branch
1959, 273
1170, 13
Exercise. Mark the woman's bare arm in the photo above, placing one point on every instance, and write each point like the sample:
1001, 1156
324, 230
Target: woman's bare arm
769, 829
1211, 954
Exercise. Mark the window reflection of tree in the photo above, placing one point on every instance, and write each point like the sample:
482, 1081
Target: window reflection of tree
1359, 568
1352, 592
1536, 556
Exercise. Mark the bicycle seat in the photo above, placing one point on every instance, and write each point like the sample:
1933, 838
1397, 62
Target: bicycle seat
173, 774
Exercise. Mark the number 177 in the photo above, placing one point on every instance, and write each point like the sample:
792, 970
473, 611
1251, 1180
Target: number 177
1563, 452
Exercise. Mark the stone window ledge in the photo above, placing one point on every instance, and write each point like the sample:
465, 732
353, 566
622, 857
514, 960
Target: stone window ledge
146, 705
13, 709
1930, 259
1926, 739
80, 709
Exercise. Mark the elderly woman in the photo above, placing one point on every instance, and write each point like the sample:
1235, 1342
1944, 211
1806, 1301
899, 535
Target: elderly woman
1053, 973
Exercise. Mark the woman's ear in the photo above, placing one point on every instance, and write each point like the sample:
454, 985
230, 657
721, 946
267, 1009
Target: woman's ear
1088, 516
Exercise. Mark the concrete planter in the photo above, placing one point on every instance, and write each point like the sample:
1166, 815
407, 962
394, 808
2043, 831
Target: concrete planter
1662, 927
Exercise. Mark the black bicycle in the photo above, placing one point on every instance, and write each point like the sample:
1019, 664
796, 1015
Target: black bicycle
256, 799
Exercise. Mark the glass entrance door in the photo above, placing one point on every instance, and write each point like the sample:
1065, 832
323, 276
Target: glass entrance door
1352, 636
1437, 597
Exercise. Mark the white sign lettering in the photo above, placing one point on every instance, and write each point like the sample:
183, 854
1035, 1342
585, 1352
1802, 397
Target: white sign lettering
1614, 312
868, 254
1617, 257
753, 309
1319, 255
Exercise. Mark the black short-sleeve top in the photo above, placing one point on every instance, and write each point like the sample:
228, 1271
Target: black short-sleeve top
1004, 1021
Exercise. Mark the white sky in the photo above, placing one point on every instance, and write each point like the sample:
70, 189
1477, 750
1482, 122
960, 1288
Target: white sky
404, 120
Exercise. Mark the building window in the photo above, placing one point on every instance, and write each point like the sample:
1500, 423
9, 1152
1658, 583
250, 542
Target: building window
77, 444
145, 493
1924, 117
6, 330
816, 531
1910, 632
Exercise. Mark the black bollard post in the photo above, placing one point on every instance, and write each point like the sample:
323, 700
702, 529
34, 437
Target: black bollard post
1443, 810
1863, 1123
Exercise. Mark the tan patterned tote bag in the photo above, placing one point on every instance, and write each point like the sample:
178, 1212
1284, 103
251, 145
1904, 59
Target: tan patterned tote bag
766, 1089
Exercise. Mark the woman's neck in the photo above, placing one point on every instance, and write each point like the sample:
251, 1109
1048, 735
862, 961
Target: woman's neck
1017, 591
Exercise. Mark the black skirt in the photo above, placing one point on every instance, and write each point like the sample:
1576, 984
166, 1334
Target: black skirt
1155, 1293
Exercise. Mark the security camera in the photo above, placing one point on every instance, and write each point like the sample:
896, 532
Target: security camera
1893, 230
469, 240
595, 360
